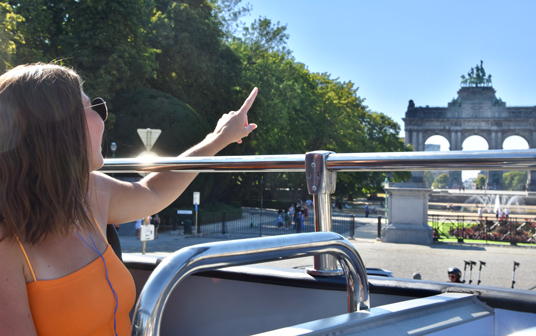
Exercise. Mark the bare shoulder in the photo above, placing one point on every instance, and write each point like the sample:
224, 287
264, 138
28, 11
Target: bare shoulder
15, 315
101, 180
12, 256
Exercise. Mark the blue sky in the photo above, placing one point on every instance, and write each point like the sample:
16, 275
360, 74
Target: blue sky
395, 50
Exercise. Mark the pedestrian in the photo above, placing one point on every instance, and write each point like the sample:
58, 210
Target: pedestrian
366, 210
305, 212
138, 227
479, 211
454, 274
291, 211
339, 203
59, 275
297, 218
287, 220
155, 220
280, 219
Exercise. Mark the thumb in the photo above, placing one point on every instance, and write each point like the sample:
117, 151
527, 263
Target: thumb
250, 127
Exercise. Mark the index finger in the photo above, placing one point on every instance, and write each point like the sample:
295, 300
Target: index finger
249, 101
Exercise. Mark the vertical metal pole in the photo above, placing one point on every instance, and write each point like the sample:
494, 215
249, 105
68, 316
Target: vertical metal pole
352, 227
148, 140
196, 221
386, 207
260, 216
143, 243
224, 217
321, 184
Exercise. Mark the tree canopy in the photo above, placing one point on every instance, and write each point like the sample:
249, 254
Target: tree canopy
441, 181
515, 180
179, 65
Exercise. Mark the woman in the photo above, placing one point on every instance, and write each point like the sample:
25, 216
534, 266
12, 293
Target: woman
58, 275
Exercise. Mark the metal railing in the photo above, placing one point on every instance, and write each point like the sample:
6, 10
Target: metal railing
205, 257
320, 168
396, 161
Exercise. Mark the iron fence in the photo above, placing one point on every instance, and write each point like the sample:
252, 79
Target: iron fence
256, 223
461, 228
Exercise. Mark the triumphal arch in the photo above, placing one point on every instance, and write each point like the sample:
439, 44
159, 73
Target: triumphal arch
476, 111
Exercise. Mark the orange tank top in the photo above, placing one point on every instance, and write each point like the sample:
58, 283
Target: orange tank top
82, 303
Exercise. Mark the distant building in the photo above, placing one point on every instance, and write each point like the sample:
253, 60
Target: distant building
475, 111
432, 147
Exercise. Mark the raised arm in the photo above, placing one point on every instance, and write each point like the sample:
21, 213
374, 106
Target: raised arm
130, 201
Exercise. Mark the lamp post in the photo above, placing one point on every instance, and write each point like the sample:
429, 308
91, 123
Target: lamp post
113, 147
385, 186
262, 190
262, 193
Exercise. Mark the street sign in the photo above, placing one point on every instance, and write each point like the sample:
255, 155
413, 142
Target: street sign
148, 137
184, 212
147, 232
196, 197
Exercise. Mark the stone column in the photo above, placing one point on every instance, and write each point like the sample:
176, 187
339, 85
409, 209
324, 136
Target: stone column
407, 216
531, 176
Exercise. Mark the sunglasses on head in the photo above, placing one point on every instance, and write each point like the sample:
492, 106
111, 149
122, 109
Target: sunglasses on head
99, 105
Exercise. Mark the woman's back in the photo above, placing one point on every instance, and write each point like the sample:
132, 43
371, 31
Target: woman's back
67, 285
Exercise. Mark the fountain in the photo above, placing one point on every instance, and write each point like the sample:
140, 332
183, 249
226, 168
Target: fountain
492, 203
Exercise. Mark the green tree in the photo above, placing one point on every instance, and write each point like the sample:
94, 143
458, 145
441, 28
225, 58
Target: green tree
8, 35
181, 127
228, 14
480, 181
515, 180
428, 178
441, 181
194, 64
103, 40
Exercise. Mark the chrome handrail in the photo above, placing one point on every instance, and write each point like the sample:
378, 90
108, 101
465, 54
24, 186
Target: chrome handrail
395, 161
204, 257
210, 256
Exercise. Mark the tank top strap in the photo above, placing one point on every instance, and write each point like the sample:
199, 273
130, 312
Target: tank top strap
102, 233
26, 256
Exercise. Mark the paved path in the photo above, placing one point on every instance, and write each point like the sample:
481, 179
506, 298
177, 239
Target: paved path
402, 259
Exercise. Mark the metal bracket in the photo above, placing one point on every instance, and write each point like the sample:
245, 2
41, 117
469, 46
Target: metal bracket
321, 184
319, 179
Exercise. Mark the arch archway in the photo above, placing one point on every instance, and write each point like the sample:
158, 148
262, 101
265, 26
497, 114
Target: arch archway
473, 143
475, 112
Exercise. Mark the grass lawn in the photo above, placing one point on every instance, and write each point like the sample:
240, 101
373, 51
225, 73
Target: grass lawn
454, 240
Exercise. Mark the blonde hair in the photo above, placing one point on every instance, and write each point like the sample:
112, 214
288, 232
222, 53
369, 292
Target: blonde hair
44, 165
